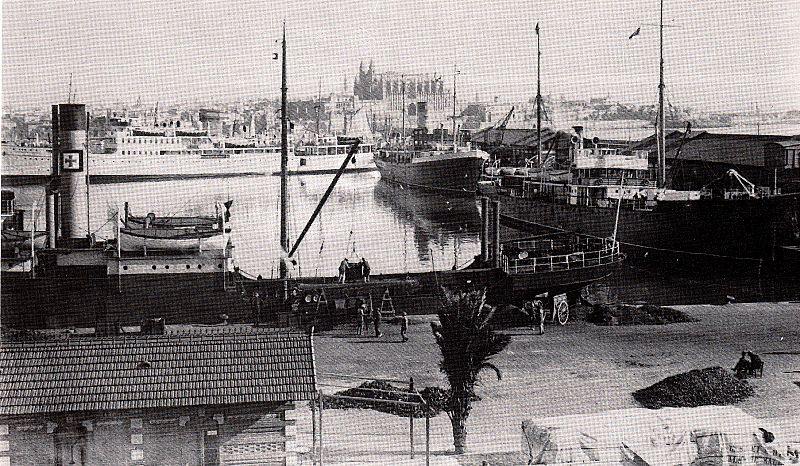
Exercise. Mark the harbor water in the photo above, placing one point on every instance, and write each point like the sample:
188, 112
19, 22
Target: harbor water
397, 230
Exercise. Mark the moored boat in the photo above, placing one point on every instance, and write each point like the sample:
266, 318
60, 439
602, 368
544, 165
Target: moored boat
435, 168
171, 239
325, 156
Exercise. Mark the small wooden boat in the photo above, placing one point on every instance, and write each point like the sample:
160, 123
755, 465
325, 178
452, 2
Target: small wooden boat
21, 239
198, 222
171, 239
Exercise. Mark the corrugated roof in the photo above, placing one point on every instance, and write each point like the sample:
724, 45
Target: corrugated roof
735, 149
154, 372
788, 144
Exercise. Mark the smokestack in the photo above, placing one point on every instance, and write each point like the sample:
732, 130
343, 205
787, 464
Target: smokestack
69, 162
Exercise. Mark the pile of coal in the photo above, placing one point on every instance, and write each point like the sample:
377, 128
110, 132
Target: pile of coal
648, 314
699, 387
371, 393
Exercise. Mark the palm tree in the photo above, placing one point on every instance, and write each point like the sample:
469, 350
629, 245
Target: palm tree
467, 342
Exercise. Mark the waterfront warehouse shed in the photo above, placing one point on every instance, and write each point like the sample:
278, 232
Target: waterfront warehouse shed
175, 399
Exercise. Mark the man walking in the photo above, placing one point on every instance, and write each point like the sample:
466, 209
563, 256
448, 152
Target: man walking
404, 327
376, 321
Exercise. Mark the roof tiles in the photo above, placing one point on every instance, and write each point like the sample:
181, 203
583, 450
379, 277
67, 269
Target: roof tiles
184, 370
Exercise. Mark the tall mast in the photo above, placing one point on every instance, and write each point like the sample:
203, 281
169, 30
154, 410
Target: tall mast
403, 85
284, 153
661, 140
455, 73
538, 98
319, 103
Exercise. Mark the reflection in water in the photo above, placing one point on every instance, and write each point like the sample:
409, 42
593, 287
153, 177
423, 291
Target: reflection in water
438, 222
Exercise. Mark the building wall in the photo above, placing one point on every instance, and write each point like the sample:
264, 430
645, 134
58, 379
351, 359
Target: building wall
236, 435
788, 176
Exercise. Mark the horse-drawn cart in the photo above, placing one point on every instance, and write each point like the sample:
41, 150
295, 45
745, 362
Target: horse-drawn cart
555, 309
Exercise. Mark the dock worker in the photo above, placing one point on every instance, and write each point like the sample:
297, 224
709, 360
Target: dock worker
540, 310
365, 269
403, 327
742, 367
756, 364
343, 270
376, 321
362, 318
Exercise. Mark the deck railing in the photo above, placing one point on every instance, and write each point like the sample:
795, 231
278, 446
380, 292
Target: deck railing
550, 263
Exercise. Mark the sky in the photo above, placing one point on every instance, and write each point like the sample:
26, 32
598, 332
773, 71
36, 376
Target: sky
730, 55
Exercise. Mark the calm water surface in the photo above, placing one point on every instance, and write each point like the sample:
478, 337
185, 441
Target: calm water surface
397, 230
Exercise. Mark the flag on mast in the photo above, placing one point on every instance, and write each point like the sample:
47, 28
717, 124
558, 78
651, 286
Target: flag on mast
537, 29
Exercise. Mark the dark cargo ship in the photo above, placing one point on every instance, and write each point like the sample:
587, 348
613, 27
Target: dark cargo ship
432, 164
732, 222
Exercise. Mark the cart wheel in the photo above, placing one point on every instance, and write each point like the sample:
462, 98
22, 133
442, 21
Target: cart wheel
562, 310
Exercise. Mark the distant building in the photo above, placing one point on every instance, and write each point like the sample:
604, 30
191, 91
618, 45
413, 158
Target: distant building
384, 95
207, 399
783, 158
701, 157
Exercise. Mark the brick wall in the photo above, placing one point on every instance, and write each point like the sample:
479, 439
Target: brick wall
262, 434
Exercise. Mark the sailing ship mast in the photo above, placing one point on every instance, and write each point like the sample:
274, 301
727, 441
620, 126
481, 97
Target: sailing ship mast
660, 137
319, 104
284, 158
538, 98
455, 73
403, 84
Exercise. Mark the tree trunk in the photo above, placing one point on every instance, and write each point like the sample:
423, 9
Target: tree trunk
459, 422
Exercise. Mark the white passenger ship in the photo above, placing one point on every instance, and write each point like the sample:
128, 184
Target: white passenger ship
144, 154
326, 156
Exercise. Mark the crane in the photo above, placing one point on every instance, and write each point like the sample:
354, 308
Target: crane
748, 187
501, 125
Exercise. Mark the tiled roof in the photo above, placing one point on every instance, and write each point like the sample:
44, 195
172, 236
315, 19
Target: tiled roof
154, 372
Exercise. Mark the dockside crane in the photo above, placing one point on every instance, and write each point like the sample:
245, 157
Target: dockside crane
501, 126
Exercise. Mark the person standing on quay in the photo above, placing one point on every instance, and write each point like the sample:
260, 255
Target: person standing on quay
376, 321
362, 318
365, 269
404, 327
343, 270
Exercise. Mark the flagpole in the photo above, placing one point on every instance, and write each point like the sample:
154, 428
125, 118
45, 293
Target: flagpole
661, 144
538, 98
284, 156
454, 107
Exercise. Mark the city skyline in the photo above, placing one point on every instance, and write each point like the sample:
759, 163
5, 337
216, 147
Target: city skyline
718, 56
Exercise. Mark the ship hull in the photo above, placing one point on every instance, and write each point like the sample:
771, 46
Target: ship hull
741, 230
29, 168
85, 301
446, 174
329, 164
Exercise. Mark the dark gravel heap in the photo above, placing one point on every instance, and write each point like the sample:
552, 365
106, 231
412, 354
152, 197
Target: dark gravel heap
648, 314
699, 387
434, 396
